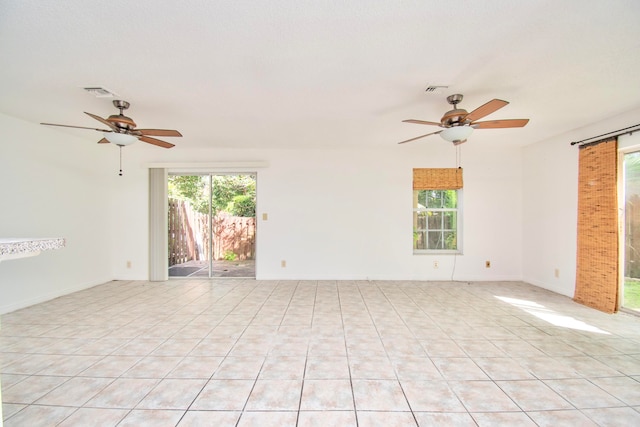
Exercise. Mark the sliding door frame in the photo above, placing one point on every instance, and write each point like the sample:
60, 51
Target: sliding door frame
622, 223
159, 209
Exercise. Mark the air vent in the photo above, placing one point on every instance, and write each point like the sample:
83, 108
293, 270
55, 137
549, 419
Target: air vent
100, 92
435, 88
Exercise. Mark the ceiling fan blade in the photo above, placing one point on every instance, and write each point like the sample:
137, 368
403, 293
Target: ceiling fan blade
157, 142
159, 132
486, 109
418, 137
421, 122
101, 120
103, 141
497, 124
76, 127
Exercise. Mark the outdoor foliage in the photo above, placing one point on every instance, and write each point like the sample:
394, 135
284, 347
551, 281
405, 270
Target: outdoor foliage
230, 255
436, 199
192, 189
234, 194
242, 205
632, 294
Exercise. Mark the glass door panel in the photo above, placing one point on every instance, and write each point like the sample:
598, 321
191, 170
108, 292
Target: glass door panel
631, 286
212, 225
189, 225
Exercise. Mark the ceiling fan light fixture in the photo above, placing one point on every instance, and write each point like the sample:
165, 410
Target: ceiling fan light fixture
456, 133
121, 139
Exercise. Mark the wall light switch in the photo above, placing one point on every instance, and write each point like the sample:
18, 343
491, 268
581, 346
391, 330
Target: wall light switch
265, 216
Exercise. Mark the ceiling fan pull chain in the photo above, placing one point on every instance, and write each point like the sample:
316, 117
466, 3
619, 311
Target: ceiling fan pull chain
120, 146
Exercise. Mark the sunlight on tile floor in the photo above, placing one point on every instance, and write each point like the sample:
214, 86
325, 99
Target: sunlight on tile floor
232, 352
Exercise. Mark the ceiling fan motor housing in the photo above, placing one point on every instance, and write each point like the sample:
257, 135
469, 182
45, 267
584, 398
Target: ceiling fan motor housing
455, 117
120, 120
123, 122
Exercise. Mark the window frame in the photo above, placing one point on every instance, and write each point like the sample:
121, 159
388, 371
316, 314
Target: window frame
458, 210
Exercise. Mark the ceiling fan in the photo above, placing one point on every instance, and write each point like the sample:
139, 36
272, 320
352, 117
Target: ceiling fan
122, 129
458, 124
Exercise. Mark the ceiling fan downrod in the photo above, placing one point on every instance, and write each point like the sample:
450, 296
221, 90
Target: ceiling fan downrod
121, 105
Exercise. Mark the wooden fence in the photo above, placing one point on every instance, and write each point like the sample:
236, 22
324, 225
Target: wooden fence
189, 234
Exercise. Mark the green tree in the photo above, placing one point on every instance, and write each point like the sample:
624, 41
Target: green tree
242, 205
234, 194
191, 188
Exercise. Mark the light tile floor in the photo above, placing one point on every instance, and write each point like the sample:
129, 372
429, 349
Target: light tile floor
232, 352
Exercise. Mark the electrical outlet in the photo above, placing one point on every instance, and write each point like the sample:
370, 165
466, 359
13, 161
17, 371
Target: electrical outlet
283, 263
265, 216
128, 264
556, 273
436, 264
487, 264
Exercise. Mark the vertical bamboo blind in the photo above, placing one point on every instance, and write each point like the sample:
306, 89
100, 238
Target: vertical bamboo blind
597, 257
437, 179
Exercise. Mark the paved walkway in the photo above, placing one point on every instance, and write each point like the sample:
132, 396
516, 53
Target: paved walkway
221, 268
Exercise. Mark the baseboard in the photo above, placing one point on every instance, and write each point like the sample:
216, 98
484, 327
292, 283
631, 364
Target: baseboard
440, 278
4, 309
545, 285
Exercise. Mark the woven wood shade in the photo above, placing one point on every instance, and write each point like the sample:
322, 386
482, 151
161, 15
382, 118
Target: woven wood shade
437, 179
597, 257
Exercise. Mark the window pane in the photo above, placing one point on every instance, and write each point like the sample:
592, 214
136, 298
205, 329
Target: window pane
435, 220
449, 199
420, 220
422, 198
435, 240
419, 240
434, 199
450, 240
449, 220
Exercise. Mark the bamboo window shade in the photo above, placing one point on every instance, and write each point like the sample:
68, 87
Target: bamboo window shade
597, 248
437, 178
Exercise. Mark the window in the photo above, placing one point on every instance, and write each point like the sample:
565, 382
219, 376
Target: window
435, 220
436, 210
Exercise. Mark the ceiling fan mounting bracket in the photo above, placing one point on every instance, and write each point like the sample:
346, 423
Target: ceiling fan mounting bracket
451, 99
120, 104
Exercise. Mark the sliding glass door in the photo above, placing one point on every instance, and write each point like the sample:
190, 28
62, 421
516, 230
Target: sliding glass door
212, 225
630, 295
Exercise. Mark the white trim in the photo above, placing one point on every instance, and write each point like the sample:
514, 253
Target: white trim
158, 225
207, 166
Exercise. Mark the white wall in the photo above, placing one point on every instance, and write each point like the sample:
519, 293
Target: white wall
333, 214
346, 214
550, 188
53, 185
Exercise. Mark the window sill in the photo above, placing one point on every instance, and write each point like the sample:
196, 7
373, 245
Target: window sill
436, 252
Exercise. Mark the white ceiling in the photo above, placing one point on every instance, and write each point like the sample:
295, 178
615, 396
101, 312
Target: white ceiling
299, 73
